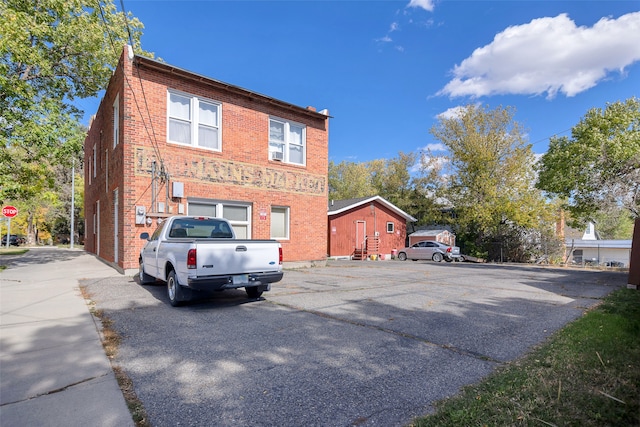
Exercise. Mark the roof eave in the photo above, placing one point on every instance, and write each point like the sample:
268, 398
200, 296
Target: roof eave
167, 68
371, 199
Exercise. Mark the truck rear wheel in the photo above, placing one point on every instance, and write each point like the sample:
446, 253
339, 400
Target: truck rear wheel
253, 292
173, 290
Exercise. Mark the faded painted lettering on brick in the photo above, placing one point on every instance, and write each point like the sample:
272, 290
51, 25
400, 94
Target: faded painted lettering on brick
233, 173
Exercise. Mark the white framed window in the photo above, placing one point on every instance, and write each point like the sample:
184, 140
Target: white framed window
193, 121
106, 171
280, 222
238, 216
95, 153
287, 141
237, 213
116, 121
390, 227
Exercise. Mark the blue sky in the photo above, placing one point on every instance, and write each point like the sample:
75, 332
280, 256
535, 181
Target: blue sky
385, 70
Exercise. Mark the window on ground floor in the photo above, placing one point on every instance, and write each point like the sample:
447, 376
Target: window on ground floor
237, 213
577, 256
279, 222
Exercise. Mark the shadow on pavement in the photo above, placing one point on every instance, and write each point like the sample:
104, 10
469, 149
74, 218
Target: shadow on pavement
40, 255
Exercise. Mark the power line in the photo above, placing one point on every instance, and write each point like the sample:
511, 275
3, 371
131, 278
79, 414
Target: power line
549, 137
126, 23
151, 135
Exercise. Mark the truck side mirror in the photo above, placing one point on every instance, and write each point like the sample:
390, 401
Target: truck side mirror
144, 236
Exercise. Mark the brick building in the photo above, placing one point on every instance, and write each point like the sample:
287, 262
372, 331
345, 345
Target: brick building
167, 141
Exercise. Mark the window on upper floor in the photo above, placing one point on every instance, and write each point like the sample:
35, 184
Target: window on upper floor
116, 121
95, 154
287, 141
194, 121
390, 227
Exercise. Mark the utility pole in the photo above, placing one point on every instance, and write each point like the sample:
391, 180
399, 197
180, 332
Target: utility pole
73, 176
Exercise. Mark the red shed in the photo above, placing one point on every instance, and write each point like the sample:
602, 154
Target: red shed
366, 227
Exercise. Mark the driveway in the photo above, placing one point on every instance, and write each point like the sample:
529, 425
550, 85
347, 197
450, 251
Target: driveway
356, 343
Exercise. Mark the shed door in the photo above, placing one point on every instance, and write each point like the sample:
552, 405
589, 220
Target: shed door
361, 232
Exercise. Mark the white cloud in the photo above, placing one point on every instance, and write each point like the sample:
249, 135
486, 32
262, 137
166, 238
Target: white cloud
548, 55
434, 147
451, 113
426, 163
387, 38
424, 4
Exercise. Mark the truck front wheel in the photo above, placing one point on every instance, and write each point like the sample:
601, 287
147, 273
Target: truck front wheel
253, 292
144, 277
173, 290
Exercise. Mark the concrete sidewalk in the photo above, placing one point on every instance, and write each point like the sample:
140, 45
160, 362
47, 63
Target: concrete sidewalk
53, 368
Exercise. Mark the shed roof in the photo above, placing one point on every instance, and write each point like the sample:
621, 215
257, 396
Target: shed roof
424, 233
339, 206
608, 244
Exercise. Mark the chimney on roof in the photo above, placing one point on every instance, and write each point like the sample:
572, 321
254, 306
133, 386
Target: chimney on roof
310, 108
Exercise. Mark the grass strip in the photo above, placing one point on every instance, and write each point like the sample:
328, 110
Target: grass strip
13, 251
111, 343
587, 374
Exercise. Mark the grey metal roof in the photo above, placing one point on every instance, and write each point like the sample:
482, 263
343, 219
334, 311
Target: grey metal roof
339, 206
424, 233
604, 244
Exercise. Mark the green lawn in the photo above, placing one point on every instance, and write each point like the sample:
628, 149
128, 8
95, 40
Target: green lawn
587, 374
12, 251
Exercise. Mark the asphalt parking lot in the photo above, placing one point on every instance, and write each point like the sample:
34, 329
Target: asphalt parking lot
356, 343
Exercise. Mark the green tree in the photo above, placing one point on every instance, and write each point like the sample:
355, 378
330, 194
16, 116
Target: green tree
392, 179
490, 183
51, 52
597, 169
349, 180
429, 201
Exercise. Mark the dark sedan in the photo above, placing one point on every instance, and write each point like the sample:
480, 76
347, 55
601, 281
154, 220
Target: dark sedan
13, 240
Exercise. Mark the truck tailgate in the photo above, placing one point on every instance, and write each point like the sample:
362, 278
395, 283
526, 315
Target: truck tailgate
236, 257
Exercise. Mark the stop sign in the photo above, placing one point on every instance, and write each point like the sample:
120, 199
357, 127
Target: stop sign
9, 211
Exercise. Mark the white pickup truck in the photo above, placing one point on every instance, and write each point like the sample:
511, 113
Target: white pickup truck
192, 254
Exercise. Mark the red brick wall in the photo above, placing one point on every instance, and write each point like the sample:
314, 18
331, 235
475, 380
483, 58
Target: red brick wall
108, 174
342, 229
240, 172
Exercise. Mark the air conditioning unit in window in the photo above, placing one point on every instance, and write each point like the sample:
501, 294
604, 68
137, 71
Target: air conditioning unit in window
277, 156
